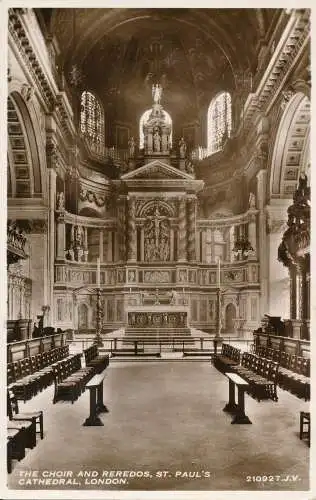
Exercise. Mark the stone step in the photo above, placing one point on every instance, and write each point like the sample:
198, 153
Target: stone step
130, 352
156, 331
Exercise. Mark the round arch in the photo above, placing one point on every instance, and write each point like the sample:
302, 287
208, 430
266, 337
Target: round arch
26, 148
150, 206
290, 155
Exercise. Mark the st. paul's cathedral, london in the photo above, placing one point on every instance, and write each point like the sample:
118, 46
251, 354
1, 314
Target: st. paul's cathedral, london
158, 204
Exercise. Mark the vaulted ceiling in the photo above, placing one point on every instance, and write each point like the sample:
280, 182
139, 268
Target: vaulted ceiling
191, 52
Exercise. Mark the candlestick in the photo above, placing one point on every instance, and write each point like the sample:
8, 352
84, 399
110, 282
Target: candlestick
98, 273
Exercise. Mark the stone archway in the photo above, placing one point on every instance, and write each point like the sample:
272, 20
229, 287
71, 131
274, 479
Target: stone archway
24, 169
291, 149
230, 316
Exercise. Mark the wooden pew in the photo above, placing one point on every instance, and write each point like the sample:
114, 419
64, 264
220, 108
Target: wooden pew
93, 359
261, 373
30, 375
293, 373
36, 417
229, 357
70, 379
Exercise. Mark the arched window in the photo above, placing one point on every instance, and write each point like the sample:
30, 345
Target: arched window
219, 122
92, 122
144, 118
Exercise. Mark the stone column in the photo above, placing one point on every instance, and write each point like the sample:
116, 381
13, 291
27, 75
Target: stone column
278, 282
191, 229
61, 237
9, 303
109, 247
299, 298
293, 294
203, 240
303, 294
121, 220
197, 245
142, 244
51, 240
182, 247
101, 245
262, 237
131, 230
231, 243
252, 235
105, 245
171, 244
85, 244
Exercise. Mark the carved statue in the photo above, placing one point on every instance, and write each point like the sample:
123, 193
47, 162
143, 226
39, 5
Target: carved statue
252, 200
182, 147
157, 140
131, 147
78, 235
60, 201
190, 168
173, 299
156, 93
80, 254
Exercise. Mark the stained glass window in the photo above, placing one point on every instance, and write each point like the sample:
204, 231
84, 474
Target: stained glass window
92, 122
144, 118
219, 122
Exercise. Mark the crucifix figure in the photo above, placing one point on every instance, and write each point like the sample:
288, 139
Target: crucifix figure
157, 237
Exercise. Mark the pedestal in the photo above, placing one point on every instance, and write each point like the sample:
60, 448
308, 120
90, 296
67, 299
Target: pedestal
240, 416
231, 406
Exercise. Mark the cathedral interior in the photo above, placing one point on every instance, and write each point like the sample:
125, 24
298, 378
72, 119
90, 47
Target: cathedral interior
158, 203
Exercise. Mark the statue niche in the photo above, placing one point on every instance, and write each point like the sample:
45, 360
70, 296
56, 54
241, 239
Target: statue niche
157, 235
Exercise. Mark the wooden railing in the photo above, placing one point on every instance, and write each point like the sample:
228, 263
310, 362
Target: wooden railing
299, 347
30, 347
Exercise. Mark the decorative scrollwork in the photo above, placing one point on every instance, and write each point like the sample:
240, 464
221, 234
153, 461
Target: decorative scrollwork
296, 239
92, 197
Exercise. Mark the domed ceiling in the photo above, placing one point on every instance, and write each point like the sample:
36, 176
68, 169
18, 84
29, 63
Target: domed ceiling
191, 52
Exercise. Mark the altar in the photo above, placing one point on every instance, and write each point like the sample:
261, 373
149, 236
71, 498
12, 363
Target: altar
157, 317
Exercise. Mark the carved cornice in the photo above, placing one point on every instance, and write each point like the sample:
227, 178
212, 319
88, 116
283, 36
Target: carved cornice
89, 221
228, 221
21, 39
23, 44
282, 61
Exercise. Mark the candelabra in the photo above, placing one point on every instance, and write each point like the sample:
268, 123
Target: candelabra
218, 302
98, 336
219, 313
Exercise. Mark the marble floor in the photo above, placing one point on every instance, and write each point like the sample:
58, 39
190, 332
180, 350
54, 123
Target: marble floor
166, 430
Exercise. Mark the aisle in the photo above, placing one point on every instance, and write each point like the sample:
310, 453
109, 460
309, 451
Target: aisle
168, 417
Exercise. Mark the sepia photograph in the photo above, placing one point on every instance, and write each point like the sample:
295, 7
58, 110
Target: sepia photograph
157, 280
